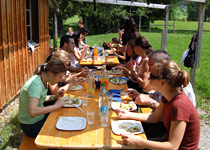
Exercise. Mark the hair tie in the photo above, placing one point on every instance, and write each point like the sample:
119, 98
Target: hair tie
45, 66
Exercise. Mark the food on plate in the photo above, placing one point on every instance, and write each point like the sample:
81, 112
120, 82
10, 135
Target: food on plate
130, 106
72, 101
128, 127
116, 45
118, 81
115, 71
76, 87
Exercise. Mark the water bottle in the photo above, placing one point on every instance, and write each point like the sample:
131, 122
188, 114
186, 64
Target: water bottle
103, 103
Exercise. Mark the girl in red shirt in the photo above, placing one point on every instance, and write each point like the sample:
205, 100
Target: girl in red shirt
180, 117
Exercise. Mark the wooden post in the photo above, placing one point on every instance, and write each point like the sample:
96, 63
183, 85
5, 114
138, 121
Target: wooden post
149, 25
198, 48
174, 26
140, 23
165, 31
55, 30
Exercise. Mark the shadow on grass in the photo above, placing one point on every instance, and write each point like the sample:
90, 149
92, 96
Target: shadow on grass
11, 134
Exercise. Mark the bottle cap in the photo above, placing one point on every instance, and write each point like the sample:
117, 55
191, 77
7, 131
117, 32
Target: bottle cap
103, 84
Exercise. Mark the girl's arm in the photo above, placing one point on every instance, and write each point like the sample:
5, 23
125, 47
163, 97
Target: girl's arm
35, 110
176, 134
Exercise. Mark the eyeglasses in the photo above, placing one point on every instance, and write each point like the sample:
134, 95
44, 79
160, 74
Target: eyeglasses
152, 77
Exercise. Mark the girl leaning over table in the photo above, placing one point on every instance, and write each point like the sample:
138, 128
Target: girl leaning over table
179, 115
32, 113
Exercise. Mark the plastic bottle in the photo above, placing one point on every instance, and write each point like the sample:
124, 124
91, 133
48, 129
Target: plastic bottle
103, 103
105, 78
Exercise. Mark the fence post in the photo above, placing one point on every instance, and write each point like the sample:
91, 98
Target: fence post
149, 25
140, 23
174, 26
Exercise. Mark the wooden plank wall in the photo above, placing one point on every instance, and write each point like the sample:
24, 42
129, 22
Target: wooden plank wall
17, 63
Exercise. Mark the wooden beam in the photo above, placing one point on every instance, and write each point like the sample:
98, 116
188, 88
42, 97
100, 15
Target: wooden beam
198, 48
187, 2
127, 3
165, 31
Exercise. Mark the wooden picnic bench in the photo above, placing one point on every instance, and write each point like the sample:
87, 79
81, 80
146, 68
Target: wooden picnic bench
28, 144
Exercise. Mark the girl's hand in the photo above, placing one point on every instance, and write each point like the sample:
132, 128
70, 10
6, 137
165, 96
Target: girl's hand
132, 93
122, 114
131, 139
59, 94
59, 103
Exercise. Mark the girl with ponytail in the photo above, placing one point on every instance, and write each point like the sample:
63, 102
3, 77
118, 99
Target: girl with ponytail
32, 114
180, 117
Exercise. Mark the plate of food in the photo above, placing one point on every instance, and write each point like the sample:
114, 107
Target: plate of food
119, 80
114, 71
71, 123
126, 126
76, 87
72, 102
130, 106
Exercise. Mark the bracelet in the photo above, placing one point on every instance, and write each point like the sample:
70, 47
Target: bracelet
52, 98
153, 103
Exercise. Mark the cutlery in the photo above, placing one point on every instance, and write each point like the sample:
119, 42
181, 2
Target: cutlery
79, 108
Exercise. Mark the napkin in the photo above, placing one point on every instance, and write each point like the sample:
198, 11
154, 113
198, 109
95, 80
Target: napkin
115, 91
116, 94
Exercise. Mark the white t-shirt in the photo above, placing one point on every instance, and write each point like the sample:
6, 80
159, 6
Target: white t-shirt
188, 91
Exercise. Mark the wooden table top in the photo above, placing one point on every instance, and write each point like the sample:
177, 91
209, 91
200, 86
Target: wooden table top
92, 137
109, 61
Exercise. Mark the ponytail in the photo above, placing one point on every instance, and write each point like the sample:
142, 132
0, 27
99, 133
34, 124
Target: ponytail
55, 66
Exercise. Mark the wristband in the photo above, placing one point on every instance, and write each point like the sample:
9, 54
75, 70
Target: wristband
52, 98
153, 103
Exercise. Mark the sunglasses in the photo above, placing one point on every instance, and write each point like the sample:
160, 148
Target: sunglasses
152, 77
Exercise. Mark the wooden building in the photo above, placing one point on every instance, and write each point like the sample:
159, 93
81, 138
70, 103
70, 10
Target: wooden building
24, 42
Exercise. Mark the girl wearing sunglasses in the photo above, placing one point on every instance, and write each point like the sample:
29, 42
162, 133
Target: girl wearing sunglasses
180, 117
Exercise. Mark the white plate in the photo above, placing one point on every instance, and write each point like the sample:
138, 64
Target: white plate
71, 123
76, 87
118, 81
130, 106
114, 71
122, 126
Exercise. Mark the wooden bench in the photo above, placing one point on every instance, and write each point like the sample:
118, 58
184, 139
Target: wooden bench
28, 144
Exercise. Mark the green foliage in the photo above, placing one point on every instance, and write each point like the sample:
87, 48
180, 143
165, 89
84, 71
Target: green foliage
11, 134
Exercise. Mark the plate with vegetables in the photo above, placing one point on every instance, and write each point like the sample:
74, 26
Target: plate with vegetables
76, 87
119, 80
126, 126
72, 102
130, 106
114, 71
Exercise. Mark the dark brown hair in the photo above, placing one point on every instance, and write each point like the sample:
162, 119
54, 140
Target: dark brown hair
144, 43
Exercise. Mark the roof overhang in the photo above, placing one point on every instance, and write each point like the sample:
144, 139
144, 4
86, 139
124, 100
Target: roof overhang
53, 5
127, 3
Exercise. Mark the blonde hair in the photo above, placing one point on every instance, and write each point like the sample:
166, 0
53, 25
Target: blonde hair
60, 55
171, 72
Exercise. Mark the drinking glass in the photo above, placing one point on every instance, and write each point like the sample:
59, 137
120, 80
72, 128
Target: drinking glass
84, 99
90, 117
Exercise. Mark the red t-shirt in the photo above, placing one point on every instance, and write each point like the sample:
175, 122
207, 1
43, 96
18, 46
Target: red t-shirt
181, 108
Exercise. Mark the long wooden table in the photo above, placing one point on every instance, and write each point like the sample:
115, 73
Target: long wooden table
92, 137
109, 61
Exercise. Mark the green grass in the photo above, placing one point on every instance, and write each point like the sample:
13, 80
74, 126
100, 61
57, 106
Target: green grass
180, 25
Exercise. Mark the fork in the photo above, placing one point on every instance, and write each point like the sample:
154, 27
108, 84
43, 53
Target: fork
79, 108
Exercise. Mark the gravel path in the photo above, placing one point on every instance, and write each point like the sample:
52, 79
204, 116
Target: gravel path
204, 143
